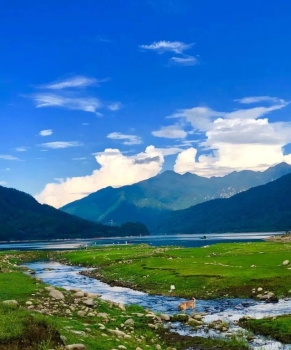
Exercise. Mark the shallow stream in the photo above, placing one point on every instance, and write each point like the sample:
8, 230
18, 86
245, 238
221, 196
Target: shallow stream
68, 277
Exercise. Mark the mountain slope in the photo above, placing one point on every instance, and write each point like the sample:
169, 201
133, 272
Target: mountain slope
147, 200
263, 208
22, 218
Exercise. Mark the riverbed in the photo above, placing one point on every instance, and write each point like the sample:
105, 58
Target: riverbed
229, 310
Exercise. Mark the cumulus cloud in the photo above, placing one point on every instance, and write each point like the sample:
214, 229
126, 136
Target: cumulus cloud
128, 139
78, 81
170, 132
184, 61
61, 144
8, 157
236, 140
115, 170
164, 46
46, 132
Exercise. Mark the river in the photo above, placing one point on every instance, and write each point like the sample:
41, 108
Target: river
229, 310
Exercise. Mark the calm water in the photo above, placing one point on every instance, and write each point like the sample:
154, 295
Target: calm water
193, 240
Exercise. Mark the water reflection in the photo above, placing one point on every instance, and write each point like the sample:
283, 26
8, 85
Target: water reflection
189, 240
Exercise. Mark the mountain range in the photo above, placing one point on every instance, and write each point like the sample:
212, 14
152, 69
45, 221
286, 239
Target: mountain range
150, 200
23, 218
259, 209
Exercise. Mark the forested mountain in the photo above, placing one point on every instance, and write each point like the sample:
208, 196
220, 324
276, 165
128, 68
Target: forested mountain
260, 209
147, 200
23, 218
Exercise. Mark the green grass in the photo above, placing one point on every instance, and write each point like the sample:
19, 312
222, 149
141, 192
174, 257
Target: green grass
216, 271
278, 328
27, 330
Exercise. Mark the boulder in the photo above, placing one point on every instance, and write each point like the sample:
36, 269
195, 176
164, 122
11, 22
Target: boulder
89, 302
79, 295
286, 262
165, 317
76, 347
129, 322
56, 294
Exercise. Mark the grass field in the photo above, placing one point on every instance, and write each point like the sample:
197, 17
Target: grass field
230, 269
25, 329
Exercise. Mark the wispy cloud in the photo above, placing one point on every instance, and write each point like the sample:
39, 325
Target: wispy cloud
3, 183
129, 139
86, 104
8, 157
184, 61
78, 81
46, 132
171, 46
170, 132
258, 99
80, 158
115, 106
61, 144
20, 149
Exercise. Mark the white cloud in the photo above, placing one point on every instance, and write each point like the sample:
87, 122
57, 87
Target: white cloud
168, 151
8, 157
129, 139
61, 144
170, 132
79, 158
163, 46
78, 81
20, 149
46, 132
115, 106
236, 140
258, 99
184, 61
3, 183
115, 170
86, 104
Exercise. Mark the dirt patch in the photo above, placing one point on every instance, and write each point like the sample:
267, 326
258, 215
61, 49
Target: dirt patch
34, 334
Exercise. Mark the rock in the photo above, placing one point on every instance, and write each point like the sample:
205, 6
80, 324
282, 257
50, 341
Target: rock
117, 332
198, 317
129, 322
76, 347
260, 289
138, 348
122, 347
253, 266
122, 307
28, 303
165, 317
102, 314
13, 303
286, 262
89, 302
81, 313
49, 288
79, 295
56, 294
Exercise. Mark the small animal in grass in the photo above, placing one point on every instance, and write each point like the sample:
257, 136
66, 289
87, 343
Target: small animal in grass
187, 305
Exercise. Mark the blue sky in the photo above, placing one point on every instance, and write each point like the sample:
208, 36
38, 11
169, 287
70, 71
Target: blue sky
99, 93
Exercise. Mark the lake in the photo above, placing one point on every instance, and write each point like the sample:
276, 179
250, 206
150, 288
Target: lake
189, 240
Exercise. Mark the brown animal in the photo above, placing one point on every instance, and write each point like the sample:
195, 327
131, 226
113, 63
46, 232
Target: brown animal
187, 305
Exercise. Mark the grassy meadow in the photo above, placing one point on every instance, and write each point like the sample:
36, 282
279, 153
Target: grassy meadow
23, 325
228, 269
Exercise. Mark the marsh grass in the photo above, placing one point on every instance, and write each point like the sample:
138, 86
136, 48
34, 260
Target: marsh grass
214, 271
278, 328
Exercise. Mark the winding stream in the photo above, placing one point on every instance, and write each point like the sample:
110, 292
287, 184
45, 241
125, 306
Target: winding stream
68, 277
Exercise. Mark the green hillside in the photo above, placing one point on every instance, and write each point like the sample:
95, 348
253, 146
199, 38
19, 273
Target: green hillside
147, 200
260, 209
23, 218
